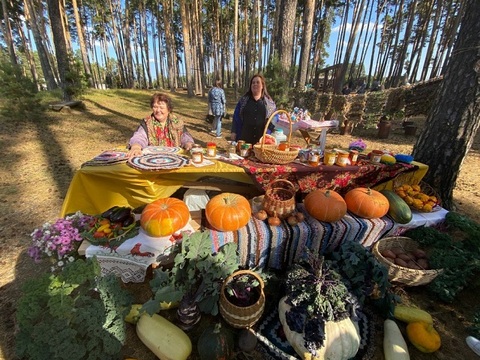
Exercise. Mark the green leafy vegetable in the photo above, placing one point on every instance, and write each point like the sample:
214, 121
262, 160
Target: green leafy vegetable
76, 314
196, 272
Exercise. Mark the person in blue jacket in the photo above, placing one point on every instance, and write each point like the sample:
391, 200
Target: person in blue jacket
252, 112
217, 105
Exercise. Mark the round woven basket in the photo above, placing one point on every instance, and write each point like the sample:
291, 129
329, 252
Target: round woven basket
400, 274
269, 153
279, 199
237, 316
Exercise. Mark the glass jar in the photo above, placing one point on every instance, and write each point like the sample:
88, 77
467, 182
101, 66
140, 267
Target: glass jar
342, 158
197, 154
313, 158
376, 156
245, 150
329, 157
353, 157
211, 149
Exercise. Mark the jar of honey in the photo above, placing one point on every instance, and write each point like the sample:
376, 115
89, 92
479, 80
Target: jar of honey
329, 157
197, 154
313, 158
283, 146
342, 158
353, 155
239, 145
211, 149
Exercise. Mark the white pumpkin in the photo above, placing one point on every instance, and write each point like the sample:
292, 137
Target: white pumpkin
342, 338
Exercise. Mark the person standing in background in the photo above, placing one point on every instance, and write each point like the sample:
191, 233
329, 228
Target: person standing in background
217, 104
252, 112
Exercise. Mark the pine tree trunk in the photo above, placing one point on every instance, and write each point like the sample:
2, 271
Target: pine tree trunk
453, 122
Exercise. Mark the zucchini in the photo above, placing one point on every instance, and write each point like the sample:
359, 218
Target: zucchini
394, 345
166, 340
410, 314
399, 211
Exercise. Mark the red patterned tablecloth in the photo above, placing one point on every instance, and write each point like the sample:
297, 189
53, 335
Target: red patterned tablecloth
307, 178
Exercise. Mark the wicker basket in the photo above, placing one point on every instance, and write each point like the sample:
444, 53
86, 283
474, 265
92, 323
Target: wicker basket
237, 316
427, 190
279, 199
400, 274
269, 153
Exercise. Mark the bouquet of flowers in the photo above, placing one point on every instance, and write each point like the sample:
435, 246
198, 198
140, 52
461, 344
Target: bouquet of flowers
358, 145
59, 242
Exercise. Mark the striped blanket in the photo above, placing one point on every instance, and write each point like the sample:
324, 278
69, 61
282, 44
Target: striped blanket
264, 246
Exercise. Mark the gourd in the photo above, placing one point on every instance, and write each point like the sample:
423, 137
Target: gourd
398, 208
215, 343
165, 216
166, 340
366, 203
394, 345
342, 338
423, 336
228, 211
409, 314
325, 205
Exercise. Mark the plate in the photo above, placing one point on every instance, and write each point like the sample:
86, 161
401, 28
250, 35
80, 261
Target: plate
107, 158
152, 162
161, 149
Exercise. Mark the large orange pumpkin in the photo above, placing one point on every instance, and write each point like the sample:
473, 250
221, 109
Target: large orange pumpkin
228, 211
325, 205
366, 203
163, 217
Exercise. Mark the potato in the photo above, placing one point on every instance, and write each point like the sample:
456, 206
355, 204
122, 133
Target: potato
405, 257
423, 263
419, 253
412, 265
389, 254
398, 251
400, 262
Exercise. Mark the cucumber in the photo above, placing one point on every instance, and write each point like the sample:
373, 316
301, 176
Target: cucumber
399, 210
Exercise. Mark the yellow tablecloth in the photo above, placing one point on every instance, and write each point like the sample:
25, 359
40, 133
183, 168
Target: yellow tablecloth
95, 189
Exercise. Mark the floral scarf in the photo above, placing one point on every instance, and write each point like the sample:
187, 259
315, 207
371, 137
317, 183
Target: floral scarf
168, 135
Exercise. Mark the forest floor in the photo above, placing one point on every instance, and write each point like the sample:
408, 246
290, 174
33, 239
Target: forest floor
41, 156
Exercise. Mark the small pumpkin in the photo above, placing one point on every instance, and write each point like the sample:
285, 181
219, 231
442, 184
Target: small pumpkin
366, 203
215, 343
423, 336
228, 211
164, 217
325, 205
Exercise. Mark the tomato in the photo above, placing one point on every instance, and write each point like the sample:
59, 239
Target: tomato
98, 234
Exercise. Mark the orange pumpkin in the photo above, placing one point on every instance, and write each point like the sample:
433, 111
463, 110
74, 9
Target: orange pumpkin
366, 203
325, 205
163, 217
228, 211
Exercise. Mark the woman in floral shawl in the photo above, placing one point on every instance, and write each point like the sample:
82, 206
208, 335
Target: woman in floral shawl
160, 128
252, 112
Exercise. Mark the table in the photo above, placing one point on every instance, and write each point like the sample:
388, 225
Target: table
95, 189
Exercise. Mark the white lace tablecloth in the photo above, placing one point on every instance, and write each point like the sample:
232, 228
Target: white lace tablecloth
132, 258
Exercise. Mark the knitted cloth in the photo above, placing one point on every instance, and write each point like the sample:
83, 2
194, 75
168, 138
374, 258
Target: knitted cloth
276, 247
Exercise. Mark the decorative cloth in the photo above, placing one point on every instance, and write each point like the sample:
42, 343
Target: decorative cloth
307, 178
131, 259
277, 247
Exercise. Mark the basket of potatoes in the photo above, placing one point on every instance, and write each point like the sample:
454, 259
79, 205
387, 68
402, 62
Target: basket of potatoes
406, 262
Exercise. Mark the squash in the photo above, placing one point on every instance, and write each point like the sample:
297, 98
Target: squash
215, 343
398, 209
410, 314
424, 336
166, 340
325, 205
228, 211
366, 203
394, 345
164, 217
342, 338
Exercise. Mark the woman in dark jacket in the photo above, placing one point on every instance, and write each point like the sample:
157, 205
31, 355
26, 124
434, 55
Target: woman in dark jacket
252, 112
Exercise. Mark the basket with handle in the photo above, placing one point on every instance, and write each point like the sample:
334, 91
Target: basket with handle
242, 316
268, 153
279, 199
401, 274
